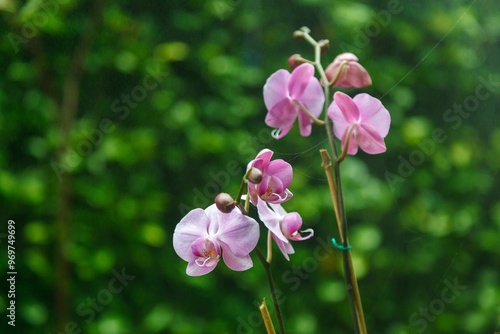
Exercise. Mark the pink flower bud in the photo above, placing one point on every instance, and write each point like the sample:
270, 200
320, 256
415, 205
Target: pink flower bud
293, 61
345, 71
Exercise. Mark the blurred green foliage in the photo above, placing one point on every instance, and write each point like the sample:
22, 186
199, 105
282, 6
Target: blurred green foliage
435, 220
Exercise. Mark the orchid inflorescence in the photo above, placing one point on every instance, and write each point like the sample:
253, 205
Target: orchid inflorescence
225, 229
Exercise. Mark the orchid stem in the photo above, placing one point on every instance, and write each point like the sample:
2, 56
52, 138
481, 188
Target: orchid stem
332, 172
277, 310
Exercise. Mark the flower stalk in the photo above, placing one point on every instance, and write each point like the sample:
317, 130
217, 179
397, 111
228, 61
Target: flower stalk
332, 172
270, 282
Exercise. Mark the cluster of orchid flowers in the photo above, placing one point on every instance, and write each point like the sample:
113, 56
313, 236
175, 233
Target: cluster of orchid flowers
361, 121
224, 228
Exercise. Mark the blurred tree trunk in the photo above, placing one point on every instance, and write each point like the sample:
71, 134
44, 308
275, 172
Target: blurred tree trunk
69, 108
68, 95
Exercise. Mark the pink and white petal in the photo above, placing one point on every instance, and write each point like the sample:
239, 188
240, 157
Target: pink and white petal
234, 262
277, 208
282, 114
190, 228
271, 220
276, 88
285, 247
282, 170
373, 113
238, 232
194, 269
313, 98
299, 80
347, 106
369, 140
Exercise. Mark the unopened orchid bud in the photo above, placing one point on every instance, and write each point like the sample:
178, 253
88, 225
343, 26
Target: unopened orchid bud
324, 45
345, 71
254, 175
298, 35
224, 202
294, 61
305, 29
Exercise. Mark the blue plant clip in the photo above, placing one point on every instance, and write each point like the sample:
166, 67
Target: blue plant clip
340, 247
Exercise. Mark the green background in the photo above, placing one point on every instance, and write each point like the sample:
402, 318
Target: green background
100, 160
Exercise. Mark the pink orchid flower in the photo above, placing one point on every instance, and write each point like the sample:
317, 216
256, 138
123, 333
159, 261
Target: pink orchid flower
348, 72
276, 177
363, 118
282, 226
287, 95
203, 235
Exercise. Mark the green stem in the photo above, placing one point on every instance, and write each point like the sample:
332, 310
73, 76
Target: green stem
277, 310
335, 185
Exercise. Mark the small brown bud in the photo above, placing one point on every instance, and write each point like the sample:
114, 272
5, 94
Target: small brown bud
224, 202
254, 175
324, 45
305, 29
298, 35
293, 61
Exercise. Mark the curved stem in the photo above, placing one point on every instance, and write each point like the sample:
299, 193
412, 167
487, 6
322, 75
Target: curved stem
346, 144
311, 116
267, 268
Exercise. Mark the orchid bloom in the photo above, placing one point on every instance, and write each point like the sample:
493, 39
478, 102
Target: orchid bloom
276, 177
288, 96
363, 121
282, 226
203, 235
346, 72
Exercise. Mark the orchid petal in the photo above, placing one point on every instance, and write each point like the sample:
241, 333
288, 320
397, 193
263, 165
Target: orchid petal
282, 114
313, 98
191, 227
347, 106
285, 247
291, 223
234, 262
271, 220
193, 269
282, 170
370, 140
236, 230
300, 78
275, 89
374, 113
